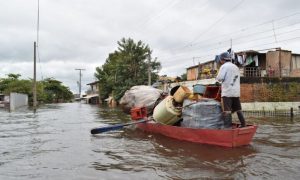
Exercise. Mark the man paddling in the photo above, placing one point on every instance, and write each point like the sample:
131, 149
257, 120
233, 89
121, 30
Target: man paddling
229, 76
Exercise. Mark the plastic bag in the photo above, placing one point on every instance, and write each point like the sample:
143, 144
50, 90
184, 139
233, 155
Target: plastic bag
140, 96
206, 113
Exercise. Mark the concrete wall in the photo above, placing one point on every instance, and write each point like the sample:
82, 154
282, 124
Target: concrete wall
270, 106
192, 73
280, 61
286, 58
18, 100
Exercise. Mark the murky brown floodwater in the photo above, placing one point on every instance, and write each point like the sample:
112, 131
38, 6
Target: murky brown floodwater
55, 143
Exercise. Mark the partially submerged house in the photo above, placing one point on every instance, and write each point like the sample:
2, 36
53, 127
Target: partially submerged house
202, 71
277, 63
92, 94
272, 76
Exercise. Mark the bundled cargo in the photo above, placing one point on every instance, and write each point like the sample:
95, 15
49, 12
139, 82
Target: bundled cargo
206, 113
140, 96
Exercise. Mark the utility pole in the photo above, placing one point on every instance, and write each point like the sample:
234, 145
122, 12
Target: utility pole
34, 61
80, 80
149, 71
34, 76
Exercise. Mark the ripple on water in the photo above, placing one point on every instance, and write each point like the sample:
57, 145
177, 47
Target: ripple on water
55, 143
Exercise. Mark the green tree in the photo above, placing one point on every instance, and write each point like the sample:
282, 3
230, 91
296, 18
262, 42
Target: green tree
5, 82
126, 67
54, 91
48, 90
183, 77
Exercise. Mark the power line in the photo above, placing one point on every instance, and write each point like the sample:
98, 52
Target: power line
241, 30
284, 40
161, 12
249, 47
247, 36
37, 37
274, 31
260, 32
216, 22
38, 22
251, 27
239, 43
252, 34
165, 25
244, 36
38, 56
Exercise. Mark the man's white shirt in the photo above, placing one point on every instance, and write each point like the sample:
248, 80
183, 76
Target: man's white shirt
229, 76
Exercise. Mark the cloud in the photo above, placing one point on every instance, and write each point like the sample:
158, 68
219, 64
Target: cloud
81, 34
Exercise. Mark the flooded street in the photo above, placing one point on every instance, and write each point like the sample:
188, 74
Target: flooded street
55, 143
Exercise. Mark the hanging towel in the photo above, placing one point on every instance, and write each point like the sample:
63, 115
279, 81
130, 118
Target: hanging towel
255, 58
240, 59
244, 58
249, 60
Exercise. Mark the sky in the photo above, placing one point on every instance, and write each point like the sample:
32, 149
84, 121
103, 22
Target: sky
79, 34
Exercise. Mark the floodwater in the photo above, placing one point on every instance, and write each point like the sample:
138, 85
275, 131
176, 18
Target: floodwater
55, 143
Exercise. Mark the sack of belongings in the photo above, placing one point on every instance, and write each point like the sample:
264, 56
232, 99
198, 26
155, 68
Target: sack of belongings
140, 96
206, 113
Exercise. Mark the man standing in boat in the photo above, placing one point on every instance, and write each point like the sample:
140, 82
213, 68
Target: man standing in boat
229, 77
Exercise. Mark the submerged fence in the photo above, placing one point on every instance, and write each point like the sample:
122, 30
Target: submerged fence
261, 113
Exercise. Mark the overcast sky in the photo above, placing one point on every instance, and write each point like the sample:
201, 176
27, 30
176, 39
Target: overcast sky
81, 33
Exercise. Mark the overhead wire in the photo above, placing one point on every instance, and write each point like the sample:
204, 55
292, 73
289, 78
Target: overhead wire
242, 30
37, 37
246, 35
38, 22
161, 12
216, 22
259, 32
251, 27
239, 31
203, 6
250, 47
274, 32
192, 44
219, 48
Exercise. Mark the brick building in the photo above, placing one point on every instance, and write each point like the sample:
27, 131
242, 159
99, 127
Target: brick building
277, 63
273, 76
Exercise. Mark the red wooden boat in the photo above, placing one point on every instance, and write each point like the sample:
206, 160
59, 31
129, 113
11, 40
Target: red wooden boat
234, 137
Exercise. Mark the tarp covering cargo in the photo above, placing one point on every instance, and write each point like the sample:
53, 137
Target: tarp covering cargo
206, 113
139, 96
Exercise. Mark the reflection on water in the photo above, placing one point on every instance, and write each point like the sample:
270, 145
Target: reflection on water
54, 143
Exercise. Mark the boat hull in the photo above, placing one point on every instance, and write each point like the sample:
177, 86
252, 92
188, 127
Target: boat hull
234, 137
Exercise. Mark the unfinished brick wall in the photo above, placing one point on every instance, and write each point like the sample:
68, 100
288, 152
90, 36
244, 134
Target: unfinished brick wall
270, 92
247, 93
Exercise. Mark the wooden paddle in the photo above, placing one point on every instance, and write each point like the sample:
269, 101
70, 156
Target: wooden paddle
116, 126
